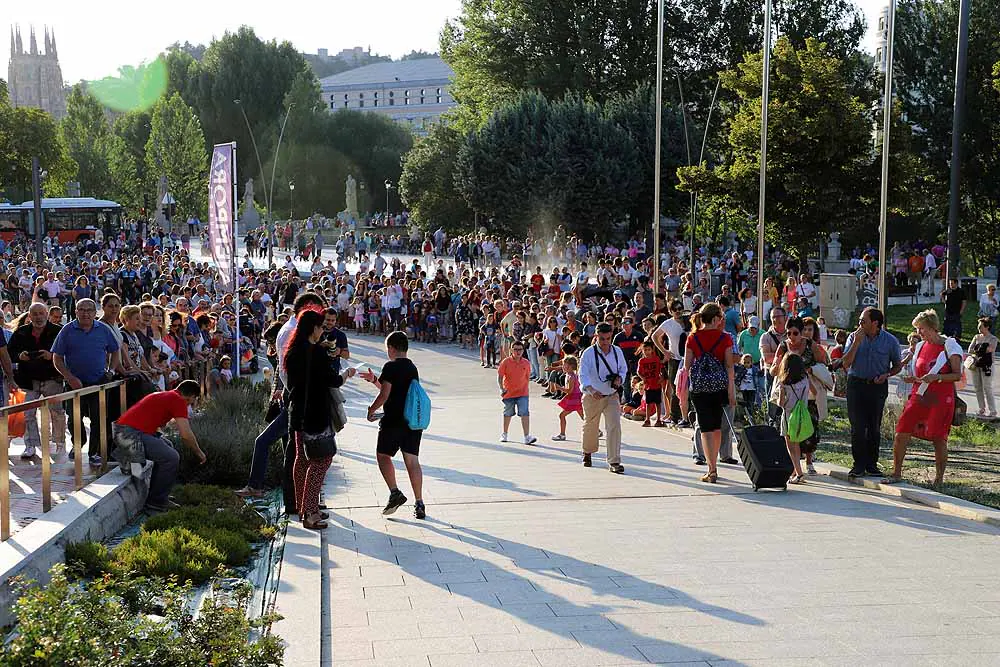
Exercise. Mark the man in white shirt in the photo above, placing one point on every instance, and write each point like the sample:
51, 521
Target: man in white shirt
930, 272
807, 289
602, 374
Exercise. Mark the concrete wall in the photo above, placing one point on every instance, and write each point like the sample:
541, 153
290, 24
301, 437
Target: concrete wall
96, 512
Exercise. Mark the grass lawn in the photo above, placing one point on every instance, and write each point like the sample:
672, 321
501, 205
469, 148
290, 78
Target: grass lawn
973, 455
898, 319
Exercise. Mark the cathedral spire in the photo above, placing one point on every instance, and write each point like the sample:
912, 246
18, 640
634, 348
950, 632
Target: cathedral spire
13, 52
17, 39
34, 42
52, 39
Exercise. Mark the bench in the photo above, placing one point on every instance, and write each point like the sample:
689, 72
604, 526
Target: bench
908, 291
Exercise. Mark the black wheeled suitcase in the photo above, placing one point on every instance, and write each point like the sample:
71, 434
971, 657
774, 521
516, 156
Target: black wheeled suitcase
764, 455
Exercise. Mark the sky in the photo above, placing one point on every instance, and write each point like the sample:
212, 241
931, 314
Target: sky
93, 43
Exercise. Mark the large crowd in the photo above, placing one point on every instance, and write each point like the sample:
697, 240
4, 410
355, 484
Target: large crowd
591, 327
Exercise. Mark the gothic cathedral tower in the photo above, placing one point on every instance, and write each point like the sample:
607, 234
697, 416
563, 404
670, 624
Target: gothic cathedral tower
34, 79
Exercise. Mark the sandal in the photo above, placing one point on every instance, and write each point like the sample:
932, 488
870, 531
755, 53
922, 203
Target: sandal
661, 424
796, 479
559, 438
646, 424
710, 477
892, 479
314, 525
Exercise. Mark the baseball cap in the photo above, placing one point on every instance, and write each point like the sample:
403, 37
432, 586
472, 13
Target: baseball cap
754, 322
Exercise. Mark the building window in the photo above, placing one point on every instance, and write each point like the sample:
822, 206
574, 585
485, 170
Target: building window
376, 95
332, 105
421, 99
361, 104
391, 94
345, 104
345, 97
375, 103
392, 102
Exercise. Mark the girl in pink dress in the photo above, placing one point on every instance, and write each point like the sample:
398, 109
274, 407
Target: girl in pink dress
573, 401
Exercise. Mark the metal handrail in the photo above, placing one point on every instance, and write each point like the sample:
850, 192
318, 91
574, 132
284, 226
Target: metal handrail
42, 404
195, 370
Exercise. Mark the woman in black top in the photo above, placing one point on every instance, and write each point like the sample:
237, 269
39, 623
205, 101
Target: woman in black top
309, 386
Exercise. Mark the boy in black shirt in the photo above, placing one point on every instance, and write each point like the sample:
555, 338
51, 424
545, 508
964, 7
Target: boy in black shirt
394, 433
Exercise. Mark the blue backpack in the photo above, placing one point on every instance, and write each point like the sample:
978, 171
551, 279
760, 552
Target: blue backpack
417, 409
708, 374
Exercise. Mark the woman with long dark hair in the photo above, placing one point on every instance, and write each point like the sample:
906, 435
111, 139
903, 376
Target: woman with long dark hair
309, 386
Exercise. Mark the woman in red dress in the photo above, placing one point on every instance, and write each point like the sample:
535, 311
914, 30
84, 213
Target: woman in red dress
930, 409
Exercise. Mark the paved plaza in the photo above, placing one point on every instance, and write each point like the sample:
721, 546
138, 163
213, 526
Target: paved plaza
527, 558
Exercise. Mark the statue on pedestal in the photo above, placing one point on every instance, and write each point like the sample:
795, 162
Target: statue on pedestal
833, 247
250, 217
161, 192
351, 197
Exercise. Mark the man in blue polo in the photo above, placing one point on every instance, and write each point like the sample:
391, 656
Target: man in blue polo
82, 353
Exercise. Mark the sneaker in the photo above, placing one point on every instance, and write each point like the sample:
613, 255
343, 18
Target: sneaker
617, 469
810, 469
530, 439
700, 462
28, 453
561, 437
396, 500
683, 423
419, 511
586, 461
548, 394
503, 437
729, 460
95, 459
856, 472
161, 505
874, 471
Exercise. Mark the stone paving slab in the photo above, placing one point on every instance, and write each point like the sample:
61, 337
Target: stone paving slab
527, 558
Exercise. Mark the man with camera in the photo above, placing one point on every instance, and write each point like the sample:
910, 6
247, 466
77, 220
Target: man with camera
29, 347
602, 375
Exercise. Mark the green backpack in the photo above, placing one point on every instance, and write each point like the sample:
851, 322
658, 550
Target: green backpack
800, 424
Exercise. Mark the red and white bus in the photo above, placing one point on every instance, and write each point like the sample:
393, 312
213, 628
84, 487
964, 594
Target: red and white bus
69, 218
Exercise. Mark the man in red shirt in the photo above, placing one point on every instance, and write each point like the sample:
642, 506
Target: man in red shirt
137, 439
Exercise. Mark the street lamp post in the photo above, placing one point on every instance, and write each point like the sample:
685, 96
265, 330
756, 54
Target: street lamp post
291, 200
961, 68
656, 153
388, 186
765, 92
268, 198
883, 265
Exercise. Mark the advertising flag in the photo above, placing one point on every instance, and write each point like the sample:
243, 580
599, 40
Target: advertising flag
221, 214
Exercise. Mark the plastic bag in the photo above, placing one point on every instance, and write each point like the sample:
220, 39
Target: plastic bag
15, 422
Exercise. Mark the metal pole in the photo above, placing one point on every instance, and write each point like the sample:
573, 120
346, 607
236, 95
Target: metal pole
687, 144
36, 190
270, 196
763, 157
701, 159
883, 263
656, 150
961, 66
260, 165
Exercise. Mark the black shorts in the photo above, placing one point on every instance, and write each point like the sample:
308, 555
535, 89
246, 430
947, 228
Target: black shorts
391, 439
654, 396
709, 409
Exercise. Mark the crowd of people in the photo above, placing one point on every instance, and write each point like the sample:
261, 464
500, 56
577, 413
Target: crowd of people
604, 341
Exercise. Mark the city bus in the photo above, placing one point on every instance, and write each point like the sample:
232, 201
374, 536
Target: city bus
69, 218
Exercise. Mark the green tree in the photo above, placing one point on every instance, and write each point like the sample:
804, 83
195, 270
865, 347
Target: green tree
427, 184
543, 164
554, 46
926, 37
819, 144
35, 134
86, 132
176, 148
127, 161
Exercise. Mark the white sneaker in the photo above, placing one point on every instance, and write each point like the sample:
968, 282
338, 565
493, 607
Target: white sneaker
503, 437
58, 453
530, 439
28, 453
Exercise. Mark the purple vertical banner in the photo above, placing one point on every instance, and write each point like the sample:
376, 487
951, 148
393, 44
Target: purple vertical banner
221, 214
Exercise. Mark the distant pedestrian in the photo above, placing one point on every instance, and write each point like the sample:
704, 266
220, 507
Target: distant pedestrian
513, 376
981, 350
602, 375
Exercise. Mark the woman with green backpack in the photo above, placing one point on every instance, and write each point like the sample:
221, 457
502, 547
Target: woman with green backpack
793, 397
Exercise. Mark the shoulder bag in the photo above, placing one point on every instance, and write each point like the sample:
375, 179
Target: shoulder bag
317, 445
